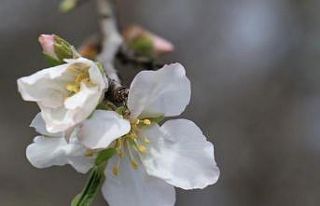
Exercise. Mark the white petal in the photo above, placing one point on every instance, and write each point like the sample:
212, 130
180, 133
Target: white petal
77, 108
135, 188
53, 151
180, 154
40, 126
102, 128
45, 86
57, 119
164, 92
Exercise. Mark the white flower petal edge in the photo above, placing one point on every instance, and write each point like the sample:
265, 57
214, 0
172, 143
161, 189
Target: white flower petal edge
55, 151
102, 128
40, 126
180, 154
45, 86
165, 92
135, 188
48, 88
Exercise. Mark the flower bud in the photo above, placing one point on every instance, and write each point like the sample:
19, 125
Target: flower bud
56, 48
145, 42
67, 5
90, 48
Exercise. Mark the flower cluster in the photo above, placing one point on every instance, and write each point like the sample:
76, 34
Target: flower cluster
77, 124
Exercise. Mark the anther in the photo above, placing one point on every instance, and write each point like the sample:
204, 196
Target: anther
89, 153
146, 140
142, 149
73, 88
115, 170
134, 164
137, 121
146, 121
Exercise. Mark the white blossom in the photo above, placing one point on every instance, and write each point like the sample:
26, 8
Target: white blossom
53, 150
66, 94
161, 157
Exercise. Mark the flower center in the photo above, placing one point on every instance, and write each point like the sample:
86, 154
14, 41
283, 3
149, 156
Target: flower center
132, 145
81, 75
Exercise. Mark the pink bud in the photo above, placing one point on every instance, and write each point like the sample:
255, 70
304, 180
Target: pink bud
160, 45
47, 43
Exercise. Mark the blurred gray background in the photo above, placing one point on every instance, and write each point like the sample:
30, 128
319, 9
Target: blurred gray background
254, 70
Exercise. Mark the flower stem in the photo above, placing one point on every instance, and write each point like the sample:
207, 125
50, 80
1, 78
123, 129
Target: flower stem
86, 197
88, 194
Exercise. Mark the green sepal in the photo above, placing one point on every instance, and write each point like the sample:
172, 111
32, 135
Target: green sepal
101, 67
104, 156
52, 61
106, 105
62, 48
121, 110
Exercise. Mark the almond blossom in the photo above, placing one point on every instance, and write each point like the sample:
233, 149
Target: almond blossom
152, 159
66, 94
52, 149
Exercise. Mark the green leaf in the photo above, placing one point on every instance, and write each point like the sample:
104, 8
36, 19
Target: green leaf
104, 156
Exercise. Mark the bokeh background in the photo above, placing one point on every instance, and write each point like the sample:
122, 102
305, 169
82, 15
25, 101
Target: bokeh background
254, 68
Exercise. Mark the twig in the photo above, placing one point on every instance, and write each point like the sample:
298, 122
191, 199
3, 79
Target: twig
111, 39
111, 42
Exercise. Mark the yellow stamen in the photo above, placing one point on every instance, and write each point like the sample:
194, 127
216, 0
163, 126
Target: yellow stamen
137, 121
133, 135
119, 147
81, 75
142, 149
73, 88
146, 121
121, 154
119, 143
134, 164
89, 153
115, 170
146, 140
